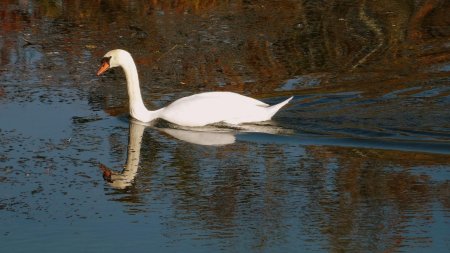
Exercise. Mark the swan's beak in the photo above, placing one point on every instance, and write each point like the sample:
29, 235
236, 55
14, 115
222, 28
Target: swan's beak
107, 173
103, 68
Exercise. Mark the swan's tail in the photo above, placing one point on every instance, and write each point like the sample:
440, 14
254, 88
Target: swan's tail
275, 108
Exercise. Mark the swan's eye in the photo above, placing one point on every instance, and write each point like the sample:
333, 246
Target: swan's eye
106, 60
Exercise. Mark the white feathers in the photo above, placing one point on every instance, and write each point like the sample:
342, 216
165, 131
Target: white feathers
196, 110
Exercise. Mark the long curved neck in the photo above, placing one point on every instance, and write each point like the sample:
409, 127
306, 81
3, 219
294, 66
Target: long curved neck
137, 107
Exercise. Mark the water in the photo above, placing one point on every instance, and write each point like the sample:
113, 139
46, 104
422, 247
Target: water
358, 162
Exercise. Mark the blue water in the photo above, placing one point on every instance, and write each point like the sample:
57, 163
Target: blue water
359, 161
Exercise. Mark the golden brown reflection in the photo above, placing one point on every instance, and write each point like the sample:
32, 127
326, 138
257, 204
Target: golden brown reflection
377, 195
375, 46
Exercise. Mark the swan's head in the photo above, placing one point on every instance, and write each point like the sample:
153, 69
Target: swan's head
112, 59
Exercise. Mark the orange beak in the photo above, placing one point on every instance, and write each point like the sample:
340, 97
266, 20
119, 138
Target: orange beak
103, 68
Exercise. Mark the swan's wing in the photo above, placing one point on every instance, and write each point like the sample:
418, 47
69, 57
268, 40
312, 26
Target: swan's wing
228, 97
212, 107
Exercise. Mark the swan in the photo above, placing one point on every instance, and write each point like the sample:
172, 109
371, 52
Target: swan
193, 111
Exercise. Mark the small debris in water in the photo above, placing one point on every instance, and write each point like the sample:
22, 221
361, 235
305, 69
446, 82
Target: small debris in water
81, 120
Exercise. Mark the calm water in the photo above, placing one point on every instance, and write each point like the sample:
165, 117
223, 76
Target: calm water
358, 162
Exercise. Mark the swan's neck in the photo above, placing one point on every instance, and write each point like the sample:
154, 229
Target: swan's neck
137, 107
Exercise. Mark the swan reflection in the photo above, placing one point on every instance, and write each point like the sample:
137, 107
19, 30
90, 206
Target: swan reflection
216, 135
125, 178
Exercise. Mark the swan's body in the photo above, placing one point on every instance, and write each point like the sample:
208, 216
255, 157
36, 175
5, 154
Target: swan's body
196, 110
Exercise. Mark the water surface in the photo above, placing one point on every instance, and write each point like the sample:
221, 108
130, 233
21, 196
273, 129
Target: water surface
358, 162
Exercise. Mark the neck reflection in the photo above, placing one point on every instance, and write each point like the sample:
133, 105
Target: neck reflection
126, 177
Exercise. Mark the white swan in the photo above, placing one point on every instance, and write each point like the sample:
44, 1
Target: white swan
192, 111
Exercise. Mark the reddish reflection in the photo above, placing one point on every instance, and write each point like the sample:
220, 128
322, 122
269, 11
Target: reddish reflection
228, 45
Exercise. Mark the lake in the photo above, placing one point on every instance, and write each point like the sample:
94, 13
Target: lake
359, 160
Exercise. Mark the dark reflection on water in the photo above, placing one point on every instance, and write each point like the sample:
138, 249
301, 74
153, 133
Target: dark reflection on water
358, 162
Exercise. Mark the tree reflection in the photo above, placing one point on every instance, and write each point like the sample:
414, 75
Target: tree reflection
375, 196
228, 44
